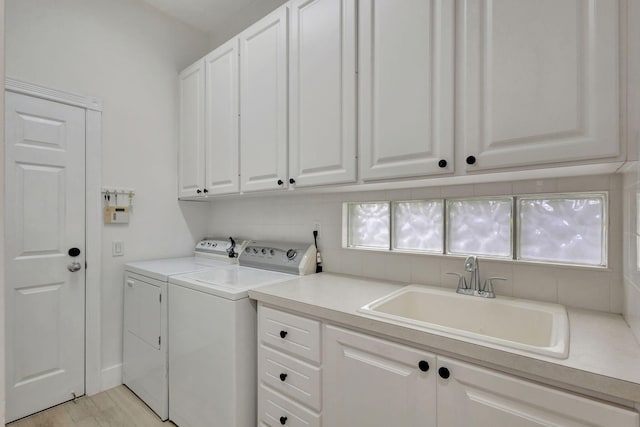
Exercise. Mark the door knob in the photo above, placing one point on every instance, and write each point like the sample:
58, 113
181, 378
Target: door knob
74, 266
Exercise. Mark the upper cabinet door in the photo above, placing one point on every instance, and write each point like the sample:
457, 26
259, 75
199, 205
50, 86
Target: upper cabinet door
191, 144
221, 132
406, 69
538, 81
263, 103
323, 92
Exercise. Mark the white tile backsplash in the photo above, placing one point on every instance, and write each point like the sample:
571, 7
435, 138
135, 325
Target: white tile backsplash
291, 217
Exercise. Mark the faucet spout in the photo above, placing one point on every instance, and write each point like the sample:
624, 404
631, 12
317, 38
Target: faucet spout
471, 265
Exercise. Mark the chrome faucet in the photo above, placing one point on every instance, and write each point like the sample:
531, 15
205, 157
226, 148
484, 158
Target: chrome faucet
471, 265
485, 291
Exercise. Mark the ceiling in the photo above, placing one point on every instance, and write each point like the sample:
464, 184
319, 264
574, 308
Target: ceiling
217, 18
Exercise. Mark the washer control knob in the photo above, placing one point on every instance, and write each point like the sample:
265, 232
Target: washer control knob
264, 251
272, 252
255, 250
247, 250
291, 254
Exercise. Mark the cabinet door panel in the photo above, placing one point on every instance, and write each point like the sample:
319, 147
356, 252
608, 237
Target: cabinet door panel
191, 144
323, 92
538, 81
221, 134
480, 397
375, 383
406, 87
263, 103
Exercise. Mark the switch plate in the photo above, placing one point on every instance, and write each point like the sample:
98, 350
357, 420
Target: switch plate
117, 248
317, 227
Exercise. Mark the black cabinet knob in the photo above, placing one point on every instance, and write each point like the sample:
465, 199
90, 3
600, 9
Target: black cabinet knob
283, 420
198, 191
206, 191
471, 160
442, 163
292, 181
74, 252
283, 377
283, 334
444, 373
280, 182
423, 365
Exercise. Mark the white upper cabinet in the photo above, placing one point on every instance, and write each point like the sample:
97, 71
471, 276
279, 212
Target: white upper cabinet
263, 103
538, 81
406, 69
191, 144
322, 111
221, 120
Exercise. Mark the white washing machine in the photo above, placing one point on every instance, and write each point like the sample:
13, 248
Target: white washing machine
212, 334
145, 355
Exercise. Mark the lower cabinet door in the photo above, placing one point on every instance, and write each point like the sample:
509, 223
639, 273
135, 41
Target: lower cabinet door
376, 383
473, 396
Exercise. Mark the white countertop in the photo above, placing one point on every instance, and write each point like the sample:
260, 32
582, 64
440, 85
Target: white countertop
604, 356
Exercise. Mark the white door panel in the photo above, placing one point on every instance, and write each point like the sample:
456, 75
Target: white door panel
323, 92
406, 70
538, 81
263, 103
45, 216
221, 135
191, 145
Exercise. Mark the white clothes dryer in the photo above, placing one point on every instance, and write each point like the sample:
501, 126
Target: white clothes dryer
145, 343
213, 336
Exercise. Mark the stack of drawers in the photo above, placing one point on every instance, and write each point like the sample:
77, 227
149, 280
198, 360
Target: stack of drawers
289, 373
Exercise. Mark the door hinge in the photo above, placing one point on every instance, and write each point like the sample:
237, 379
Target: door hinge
159, 341
160, 298
85, 265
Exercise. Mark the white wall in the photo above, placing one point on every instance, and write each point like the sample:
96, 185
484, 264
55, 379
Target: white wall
241, 20
631, 235
2, 398
290, 217
128, 54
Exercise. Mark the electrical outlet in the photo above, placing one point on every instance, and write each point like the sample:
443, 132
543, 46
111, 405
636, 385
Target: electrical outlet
317, 227
117, 248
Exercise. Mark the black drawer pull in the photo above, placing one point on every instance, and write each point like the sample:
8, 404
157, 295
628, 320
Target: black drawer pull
283, 377
283, 334
283, 420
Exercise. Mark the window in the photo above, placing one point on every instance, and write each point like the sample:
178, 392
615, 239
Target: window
368, 225
479, 227
418, 225
563, 228
551, 228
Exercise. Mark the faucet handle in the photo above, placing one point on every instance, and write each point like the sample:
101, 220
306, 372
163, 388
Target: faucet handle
463, 288
487, 289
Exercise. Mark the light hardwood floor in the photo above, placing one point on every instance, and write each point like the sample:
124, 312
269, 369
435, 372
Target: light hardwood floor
117, 407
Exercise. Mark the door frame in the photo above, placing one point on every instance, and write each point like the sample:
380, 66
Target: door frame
93, 220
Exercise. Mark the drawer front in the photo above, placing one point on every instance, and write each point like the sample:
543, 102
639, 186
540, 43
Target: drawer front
289, 376
293, 334
276, 410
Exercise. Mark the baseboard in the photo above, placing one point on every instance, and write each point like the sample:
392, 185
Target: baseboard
111, 376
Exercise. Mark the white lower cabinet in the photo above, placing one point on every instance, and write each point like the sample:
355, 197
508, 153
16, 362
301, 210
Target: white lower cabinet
312, 374
371, 382
375, 383
289, 372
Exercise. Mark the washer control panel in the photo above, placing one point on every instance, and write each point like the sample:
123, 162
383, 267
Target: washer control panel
287, 257
220, 247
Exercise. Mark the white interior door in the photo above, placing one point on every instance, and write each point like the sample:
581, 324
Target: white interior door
45, 218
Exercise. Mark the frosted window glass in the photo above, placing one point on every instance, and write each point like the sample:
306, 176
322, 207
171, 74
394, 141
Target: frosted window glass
369, 225
563, 229
418, 225
479, 227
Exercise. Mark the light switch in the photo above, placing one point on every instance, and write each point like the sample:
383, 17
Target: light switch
117, 248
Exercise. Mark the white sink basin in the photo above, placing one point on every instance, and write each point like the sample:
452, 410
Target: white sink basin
530, 326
